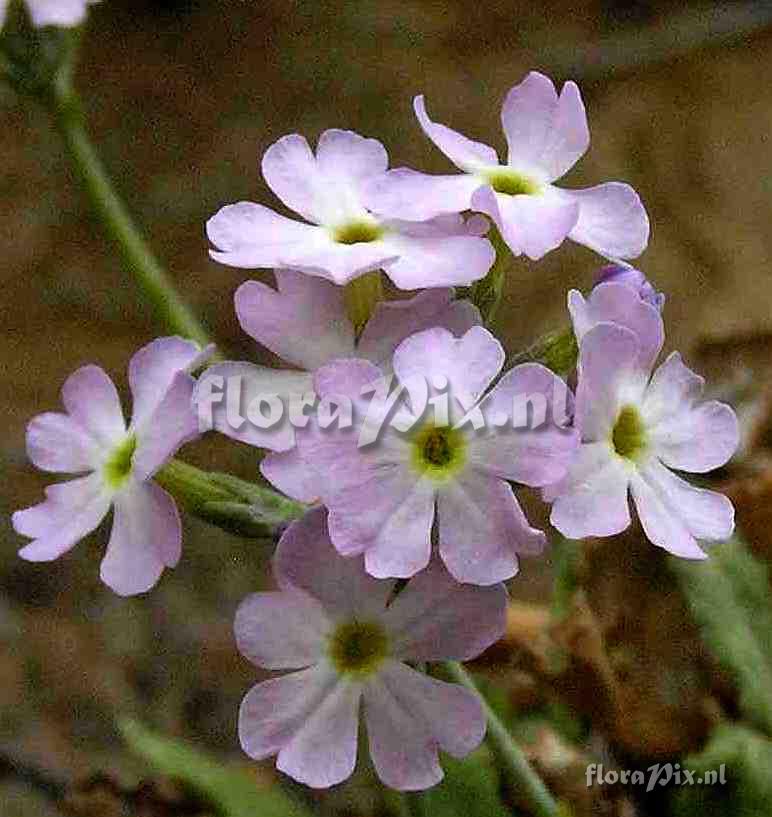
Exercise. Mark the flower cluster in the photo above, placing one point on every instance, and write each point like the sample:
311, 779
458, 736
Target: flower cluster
413, 520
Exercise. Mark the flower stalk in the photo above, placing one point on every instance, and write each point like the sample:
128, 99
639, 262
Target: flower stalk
486, 294
518, 772
233, 504
170, 308
557, 350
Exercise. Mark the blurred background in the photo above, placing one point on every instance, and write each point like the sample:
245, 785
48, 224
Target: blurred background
183, 99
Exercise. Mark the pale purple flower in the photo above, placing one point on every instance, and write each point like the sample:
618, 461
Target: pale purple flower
633, 278
546, 135
383, 497
341, 237
618, 303
348, 639
116, 463
62, 13
635, 428
304, 322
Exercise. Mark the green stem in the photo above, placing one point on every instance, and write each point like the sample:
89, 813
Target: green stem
526, 784
557, 350
241, 507
486, 293
66, 107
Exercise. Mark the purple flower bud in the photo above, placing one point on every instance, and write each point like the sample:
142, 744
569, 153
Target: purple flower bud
633, 278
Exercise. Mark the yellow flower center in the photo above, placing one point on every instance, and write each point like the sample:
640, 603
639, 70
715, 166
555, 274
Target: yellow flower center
358, 232
629, 434
512, 183
439, 452
119, 464
358, 647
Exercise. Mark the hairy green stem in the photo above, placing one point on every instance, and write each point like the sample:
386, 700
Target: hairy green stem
240, 507
169, 306
557, 350
519, 774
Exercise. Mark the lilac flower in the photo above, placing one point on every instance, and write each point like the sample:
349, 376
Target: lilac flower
305, 324
635, 428
62, 13
546, 134
341, 238
382, 497
337, 627
618, 303
117, 463
633, 278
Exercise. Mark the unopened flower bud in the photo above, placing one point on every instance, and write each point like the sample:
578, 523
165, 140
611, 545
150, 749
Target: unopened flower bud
633, 278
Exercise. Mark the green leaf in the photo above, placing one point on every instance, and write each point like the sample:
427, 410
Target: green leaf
746, 757
729, 598
233, 793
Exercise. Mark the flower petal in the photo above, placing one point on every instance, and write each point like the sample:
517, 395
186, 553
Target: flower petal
539, 453
146, 538
70, 512
437, 261
63, 13
468, 364
672, 386
310, 718
153, 369
92, 401
56, 442
466, 154
413, 196
620, 304
592, 499
543, 130
306, 560
697, 439
239, 387
409, 716
288, 472
610, 376
303, 307
252, 236
675, 514
393, 321
612, 220
531, 224
389, 518
482, 528
686, 435
395, 532
323, 751
435, 618
337, 262
290, 170
172, 423
348, 157
284, 630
